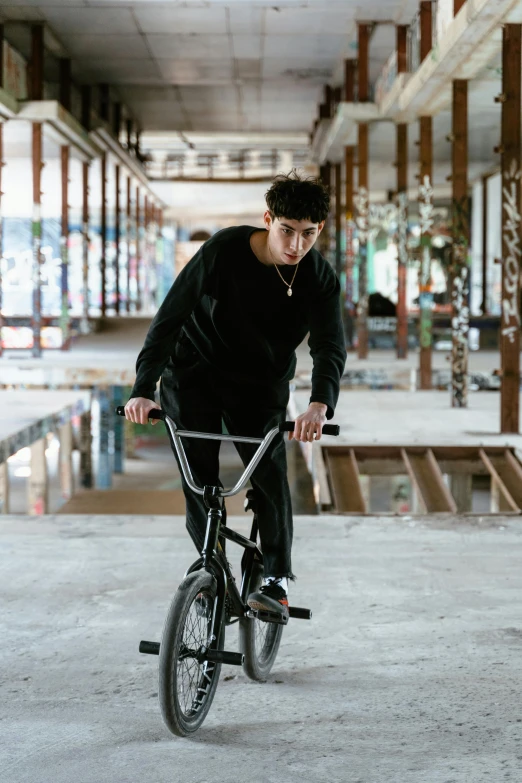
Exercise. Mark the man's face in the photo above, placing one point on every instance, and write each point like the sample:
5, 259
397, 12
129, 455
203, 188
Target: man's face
290, 240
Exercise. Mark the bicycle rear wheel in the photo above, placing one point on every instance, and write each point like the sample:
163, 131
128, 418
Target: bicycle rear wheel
258, 641
186, 685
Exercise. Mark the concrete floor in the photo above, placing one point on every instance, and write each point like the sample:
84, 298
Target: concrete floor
409, 672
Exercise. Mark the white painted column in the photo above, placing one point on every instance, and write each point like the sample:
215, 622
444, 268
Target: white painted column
65, 435
4, 488
37, 484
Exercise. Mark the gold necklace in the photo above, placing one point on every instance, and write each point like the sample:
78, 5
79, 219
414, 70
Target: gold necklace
290, 284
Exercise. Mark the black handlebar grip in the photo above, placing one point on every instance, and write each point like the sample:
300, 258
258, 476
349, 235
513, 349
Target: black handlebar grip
221, 656
155, 413
328, 429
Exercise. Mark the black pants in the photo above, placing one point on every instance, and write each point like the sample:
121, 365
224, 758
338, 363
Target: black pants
199, 398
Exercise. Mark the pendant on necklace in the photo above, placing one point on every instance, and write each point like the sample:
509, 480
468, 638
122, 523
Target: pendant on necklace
289, 292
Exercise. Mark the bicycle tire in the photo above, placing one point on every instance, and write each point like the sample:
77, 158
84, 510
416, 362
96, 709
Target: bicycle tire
186, 690
258, 641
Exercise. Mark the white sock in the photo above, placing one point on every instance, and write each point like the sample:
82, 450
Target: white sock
282, 581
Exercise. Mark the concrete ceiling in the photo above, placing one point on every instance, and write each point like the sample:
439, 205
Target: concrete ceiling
218, 65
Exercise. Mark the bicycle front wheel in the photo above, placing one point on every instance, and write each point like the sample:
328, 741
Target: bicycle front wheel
258, 641
186, 685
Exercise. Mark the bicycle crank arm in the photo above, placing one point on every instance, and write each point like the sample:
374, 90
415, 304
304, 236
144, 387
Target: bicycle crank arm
150, 648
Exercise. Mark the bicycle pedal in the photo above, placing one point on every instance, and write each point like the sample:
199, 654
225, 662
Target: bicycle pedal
270, 617
300, 614
150, 648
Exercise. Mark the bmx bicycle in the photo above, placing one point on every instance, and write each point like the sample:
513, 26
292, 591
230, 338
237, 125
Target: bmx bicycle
192, 646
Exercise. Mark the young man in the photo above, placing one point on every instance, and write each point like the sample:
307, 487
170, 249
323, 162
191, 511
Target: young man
224, 342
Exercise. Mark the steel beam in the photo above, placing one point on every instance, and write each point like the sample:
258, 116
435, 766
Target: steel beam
461, 235
65, 321
402, 239
511, 228
426, 225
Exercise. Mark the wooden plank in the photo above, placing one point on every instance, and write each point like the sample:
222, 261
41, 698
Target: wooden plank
495, 478
413, 479
509, 471
429, 480
511, 228
346, 489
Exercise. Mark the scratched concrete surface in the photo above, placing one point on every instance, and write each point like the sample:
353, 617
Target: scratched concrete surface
410, 671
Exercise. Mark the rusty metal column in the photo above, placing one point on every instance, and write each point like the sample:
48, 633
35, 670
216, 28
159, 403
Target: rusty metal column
117, 240
402, 210
103, 233
426, 216
37, 55
65, 321
138, 250
349, 158
484, 304
362, 198
129, 237
146, 250
426, 223
460, 231
511, 228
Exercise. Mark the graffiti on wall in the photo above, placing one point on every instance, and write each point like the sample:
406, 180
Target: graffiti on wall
460, 327
511, 254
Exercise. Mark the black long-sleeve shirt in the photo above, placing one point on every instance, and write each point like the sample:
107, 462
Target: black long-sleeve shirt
237, 314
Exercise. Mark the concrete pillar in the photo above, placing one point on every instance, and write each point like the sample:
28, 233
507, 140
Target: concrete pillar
362, 198
65, 435
37, 483
461, 489
1, 219
36, 94
117, 238
86, 478
426, 28
461, 234
511, 228
65, 321
4, 488
103, 234
138, 251
85, 247
103, 437
65, 82
119, 430
128, 234
499, 504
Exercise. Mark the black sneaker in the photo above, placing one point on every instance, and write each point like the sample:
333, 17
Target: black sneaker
269, 598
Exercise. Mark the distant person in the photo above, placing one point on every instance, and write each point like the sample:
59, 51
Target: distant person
224, 343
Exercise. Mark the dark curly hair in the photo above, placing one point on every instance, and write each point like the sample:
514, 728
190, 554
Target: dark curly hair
298, 198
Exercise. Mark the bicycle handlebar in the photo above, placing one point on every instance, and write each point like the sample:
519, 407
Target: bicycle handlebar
287, 426
263, 444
